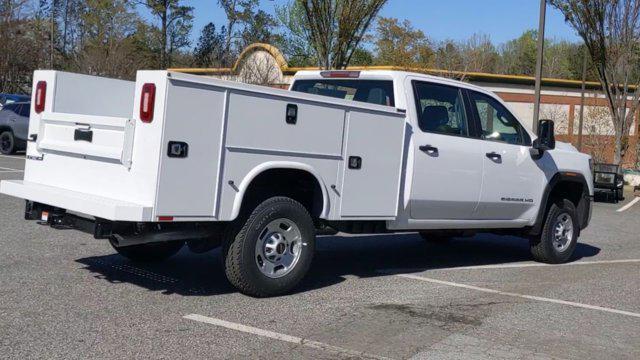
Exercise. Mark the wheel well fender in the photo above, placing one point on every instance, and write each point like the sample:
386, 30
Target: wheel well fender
576, 188
4, 128
280, 165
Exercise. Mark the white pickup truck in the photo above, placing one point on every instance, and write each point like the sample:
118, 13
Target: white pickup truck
174, 159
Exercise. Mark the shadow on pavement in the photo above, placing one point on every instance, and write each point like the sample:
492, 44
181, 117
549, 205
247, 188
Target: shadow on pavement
363, 256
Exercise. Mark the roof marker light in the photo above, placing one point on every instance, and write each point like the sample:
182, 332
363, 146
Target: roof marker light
340, 74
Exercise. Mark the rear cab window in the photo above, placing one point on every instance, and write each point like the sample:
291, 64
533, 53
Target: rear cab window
379, 92
440, 109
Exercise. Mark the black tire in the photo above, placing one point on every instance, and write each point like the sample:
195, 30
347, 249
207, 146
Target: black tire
146, 253
543, 248
243, 236
7, 143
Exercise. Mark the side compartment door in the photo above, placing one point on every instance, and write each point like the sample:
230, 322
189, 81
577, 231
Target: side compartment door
372, 165
447, 167
512, 180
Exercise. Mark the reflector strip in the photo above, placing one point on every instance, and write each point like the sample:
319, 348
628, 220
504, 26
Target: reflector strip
147, 102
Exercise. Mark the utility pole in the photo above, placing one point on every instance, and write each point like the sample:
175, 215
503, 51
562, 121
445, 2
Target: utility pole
52, 35
539, 63
584, 85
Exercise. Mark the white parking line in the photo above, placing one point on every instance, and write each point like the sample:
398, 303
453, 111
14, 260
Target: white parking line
514, 266
6, 168
629, 205
281, 337
522, 296
11, 171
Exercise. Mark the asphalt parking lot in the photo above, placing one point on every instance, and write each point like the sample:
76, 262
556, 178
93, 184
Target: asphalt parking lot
65, 295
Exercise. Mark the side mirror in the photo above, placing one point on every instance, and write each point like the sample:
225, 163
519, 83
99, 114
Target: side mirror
546, 138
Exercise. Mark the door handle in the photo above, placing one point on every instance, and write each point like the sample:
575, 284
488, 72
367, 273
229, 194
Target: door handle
494, 156
431, 150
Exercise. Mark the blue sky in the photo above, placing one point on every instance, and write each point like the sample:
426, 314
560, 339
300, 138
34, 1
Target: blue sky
502, 20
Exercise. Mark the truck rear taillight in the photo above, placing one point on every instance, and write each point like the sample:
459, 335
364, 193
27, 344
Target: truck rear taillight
147, 102
340, 74
41, 96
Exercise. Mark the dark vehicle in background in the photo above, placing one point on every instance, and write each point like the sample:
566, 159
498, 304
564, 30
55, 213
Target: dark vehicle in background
608, 181
14, 126
6, 99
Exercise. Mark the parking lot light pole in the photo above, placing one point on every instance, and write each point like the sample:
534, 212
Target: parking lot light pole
584, 83
539, 64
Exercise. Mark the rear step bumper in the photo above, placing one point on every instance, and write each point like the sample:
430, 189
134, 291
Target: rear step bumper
97, 206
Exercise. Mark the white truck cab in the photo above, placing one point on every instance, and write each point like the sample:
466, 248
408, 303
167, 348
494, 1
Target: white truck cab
173, 159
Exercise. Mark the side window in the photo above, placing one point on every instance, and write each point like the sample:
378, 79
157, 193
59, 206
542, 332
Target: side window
25, 109
10, 108
496, 122
440, 109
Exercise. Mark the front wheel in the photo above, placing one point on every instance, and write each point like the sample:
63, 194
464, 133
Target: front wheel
271, 251
559, 235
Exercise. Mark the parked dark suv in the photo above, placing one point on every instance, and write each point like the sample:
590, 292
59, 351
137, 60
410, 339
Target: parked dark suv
6, 99
14, 126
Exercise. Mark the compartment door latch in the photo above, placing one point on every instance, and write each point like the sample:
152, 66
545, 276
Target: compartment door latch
355, 162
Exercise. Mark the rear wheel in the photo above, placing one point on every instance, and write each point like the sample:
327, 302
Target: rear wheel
7, 143
270, 252
152, 252
559, 235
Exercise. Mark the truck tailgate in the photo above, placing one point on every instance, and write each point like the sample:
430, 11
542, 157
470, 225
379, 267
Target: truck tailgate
98, 137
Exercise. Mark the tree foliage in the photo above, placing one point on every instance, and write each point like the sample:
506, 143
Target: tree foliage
23, 41
209, 51
109, 44
611, 32
294, 40
175, 23
336, 28
398, 43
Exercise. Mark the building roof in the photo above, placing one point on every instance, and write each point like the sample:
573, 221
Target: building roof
466, 75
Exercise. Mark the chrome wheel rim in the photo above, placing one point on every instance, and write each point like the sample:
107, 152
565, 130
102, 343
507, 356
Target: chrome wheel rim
278, 248
562, 232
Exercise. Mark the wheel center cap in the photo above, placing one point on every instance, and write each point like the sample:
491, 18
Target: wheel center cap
280, 248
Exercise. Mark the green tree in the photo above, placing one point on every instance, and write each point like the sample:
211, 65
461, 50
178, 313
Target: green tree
108, 45
259, 28
479, 54
362, 57
210, 48
176, 21
294, 40
448, 56
518, 56
611, 32
337, 27
398, 43
239, 13
24, 43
